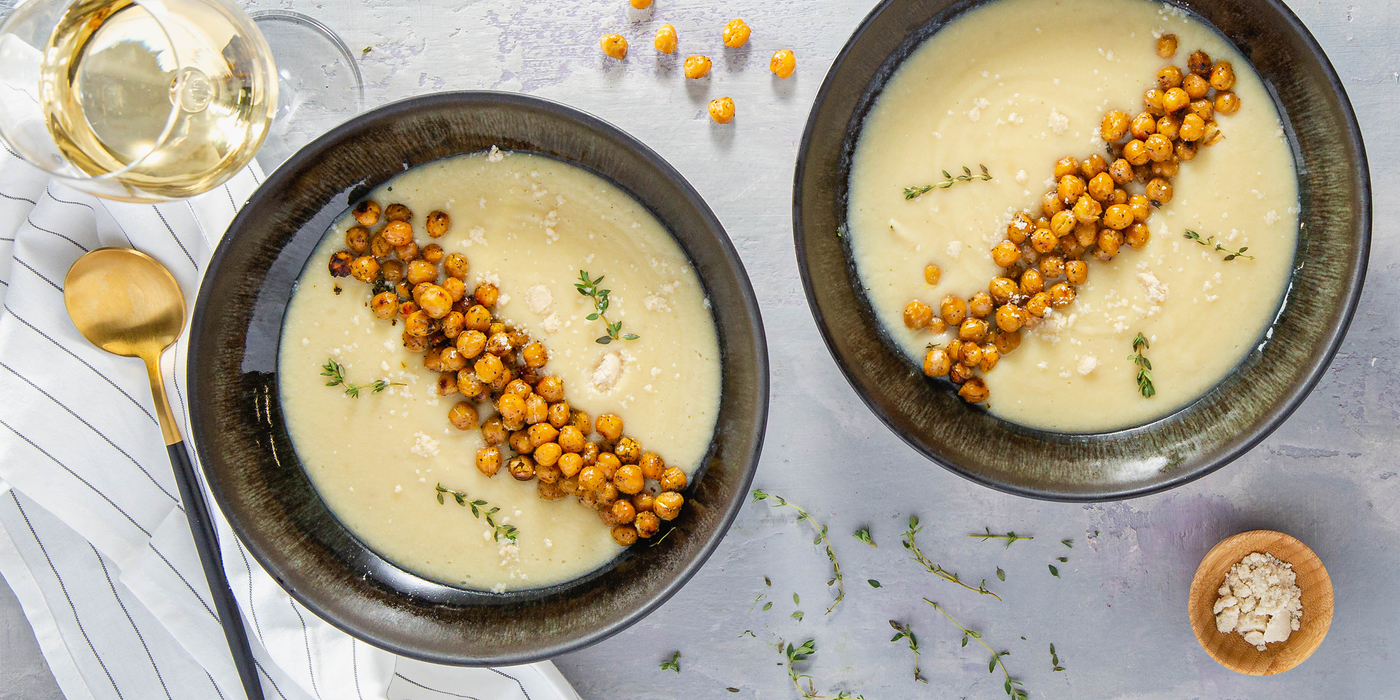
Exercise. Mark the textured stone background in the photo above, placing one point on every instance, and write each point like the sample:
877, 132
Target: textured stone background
1117, 616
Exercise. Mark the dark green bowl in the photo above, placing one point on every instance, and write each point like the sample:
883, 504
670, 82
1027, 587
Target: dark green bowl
1330, 264
249, 460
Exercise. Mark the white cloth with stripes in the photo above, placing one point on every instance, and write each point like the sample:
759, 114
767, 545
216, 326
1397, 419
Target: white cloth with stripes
93, 539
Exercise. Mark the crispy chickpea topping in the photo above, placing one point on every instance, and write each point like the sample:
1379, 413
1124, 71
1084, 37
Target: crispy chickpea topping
1166, 45
614, 45
696, 67
735, 33
722, 110
665, 41
783, 63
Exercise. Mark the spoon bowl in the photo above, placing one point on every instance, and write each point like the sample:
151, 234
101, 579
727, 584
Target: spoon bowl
124, 302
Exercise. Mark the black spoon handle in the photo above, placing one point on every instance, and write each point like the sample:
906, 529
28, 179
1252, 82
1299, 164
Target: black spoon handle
202, 527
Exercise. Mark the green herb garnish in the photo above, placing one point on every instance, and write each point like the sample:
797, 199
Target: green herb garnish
589, 288
821, 539
1010, 537
478, 508
1011, 686
948, 181
674, 664
1230, 254
913, 547
799, 654
336, 372
863, 535
1055, 660
1144, 365
904, 631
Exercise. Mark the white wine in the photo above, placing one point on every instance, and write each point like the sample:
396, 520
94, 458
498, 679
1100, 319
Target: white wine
168, 98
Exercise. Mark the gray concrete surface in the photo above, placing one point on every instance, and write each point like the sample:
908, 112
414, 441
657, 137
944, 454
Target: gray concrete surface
1117, 613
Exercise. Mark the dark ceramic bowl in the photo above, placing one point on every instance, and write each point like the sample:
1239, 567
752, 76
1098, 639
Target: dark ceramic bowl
1335, 194
263, 490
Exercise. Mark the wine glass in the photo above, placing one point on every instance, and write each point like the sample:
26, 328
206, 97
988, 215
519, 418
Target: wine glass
143, 100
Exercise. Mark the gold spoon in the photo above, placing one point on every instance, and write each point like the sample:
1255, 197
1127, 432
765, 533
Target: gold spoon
128, 304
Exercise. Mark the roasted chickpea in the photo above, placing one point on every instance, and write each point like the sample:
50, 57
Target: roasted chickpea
1137, 235
609, 463
408, 251
609, 425
1000, 289
1135, 152
547, 455
489, 368
667, 505
570, 439
1093, 165
696, 67
1071, 247
1159, 191
364, 268
1159, 148
522, 468
735, 33
1070, 188
1115, 125
1152, 101
1118, 217
1205, 110
1195, 86
1169, 126
486, 294
511, 407
1032, 282
1226, 102
397, 233
953, 310
980, 305
384, 305
1166, 169
469, 385
432, 253
973, 329
959, 373
1086, 210
1020, 228
1121, 171
665, 40
420, 271
1005, 254
455, 288
990, 357
614, 46
357, 239
380, 248
451, 360
1067, 165
1050, 204
1061, 295
1076, 272
1062, 223
367, 212
498, 344
628, 450
628, 479
477, 319
783, 63
1109, 242
570, 464
455, 265
1222, 76
435, 301
1141, 207
550, 491
917, 315
471, 343
722, 110
493, 431
974, 390
624, 512
488, 460
1101, 186
392, 271
1007, 342
1175, 99
1038, 305
559, 414
540, 432
936, 363
1144, 125
1199, 63
398, 212
437, 223
1169, 77
591, 478
537, 411
552, 389
1166, 45
1009, 316
419, 324
646, 524
1043, 241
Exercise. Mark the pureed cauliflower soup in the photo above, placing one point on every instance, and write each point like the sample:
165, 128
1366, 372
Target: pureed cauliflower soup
1028, 89
484, 491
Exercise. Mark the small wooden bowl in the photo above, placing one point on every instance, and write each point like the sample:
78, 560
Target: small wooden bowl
1230, 649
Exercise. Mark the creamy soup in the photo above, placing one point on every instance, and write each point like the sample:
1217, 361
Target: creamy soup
1015, 85
528, 224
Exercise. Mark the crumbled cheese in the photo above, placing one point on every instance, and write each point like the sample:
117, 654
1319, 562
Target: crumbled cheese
305, 342
495, 156
1042, 365
1058, 122
607, 371
1064, 373
954, 249
1260, 599
551, 324
1155, 289
1272, 217
657, 300
1087, 364
475, 236
398, 488
1022, 177
538, 298
424, 445
498, 588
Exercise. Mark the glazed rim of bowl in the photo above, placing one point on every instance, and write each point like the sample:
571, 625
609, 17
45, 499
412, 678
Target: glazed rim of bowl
242, 442
1219, 426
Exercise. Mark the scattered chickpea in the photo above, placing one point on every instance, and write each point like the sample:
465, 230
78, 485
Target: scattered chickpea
974, 390
735, 33
932, 274
1227, 102
614, 45
1115, 125
647, 524
641, 4
665, 41
917, 315
398, 212
696, 67
980, 305
783, 63
667, 505
1195, 86
609, 425
722, 110
1166, 45
936, 363
1169, 77
397, 232
953, 310
367, 212
365, 268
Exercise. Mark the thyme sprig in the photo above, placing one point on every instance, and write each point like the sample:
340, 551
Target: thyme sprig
1230, 254
672, 664
905, 631
948, 181
913, 547
589, 287
1010, 537
1011, 686
1144, 365
336, 372
478, 508
821, 538
863, 535
799, 654
1055, 659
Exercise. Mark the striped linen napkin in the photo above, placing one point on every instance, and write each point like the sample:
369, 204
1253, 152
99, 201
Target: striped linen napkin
93, 538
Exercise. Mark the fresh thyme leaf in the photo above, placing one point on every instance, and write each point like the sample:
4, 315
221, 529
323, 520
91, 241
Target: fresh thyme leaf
1068, 543
501, 531
1144, 365
1230, 254
1011, 686
1055, 660
796, 600
749, 633
732, 689
873, 583
588, 287
767, 582
948, 181
674, 664
821, 539
768, 606
336, 372
905, 631
797, 615
863, 535
1010, 537
913, 546
1054, 572
1062, 559
799, 654
1001, 574
365, 51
